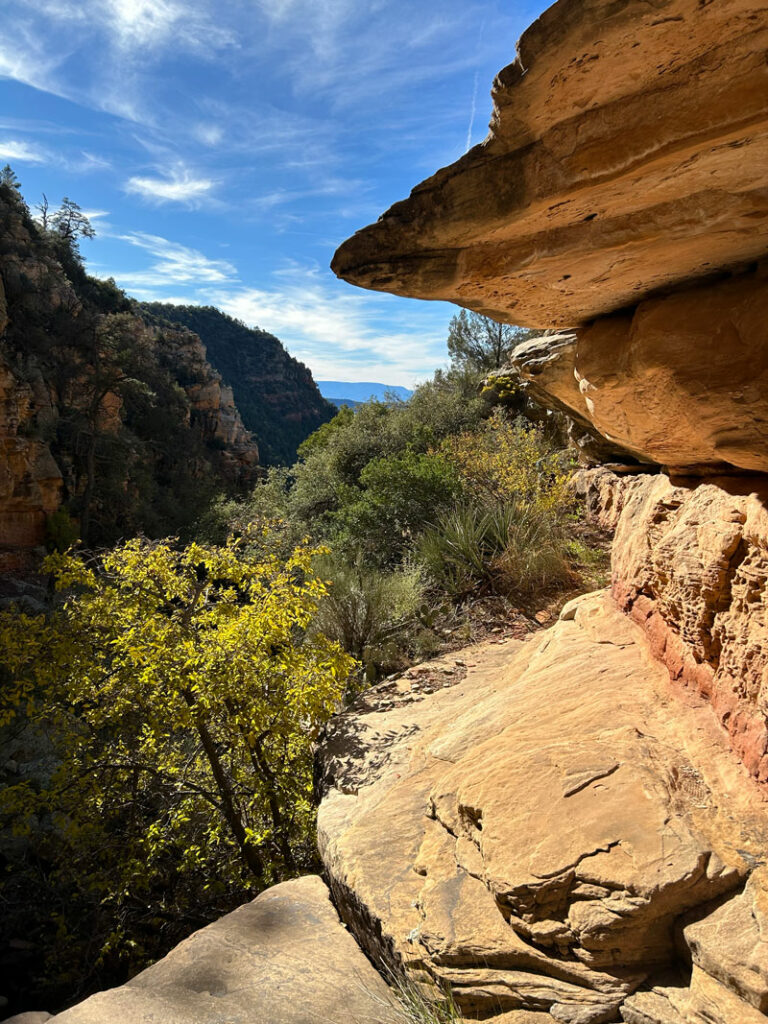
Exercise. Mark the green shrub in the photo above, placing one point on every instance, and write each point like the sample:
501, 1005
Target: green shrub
400, 495
366, 608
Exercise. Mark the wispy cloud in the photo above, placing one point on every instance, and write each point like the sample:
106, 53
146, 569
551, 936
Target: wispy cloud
337, 329
42, 40
180, 186
24, 152
173, 266
90, 162
472, 112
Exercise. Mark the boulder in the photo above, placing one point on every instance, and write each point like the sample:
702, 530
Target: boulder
627, 153
285, 958
535, 835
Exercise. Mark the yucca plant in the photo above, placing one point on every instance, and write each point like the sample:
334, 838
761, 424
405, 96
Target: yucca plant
366, 607
508, 547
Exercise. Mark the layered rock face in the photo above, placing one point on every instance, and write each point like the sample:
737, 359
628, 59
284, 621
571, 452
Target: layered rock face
547, 834
680, 380
621, 194
578, 833
275, 394
626, 153
690, 565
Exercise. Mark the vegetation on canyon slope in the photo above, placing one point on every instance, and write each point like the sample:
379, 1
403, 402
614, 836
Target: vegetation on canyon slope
274, 393
168, 698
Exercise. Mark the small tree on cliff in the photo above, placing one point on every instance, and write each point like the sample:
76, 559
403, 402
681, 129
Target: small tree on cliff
70, 223
9, 179
182, 693
477, 342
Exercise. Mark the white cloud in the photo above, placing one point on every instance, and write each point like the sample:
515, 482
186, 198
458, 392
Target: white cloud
21, 151
91, 162
174, 265
209, 134
119, 42
180, 186
339, 332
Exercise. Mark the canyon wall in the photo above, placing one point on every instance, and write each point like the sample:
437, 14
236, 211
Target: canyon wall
575, 832
99, 412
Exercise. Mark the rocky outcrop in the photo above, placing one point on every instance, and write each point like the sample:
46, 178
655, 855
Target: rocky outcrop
31, 482
275, 393
690, 565
547, 833
213, 412
96, 408
285, 958
575, 836
680, 380
626, 154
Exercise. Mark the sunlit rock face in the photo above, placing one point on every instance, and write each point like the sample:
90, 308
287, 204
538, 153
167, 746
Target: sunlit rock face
572, 834
544, 828
690, 565
284, 958
627, 153
680, 380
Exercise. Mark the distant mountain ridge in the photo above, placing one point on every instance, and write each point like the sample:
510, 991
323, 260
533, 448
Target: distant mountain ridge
355, 392
275, 394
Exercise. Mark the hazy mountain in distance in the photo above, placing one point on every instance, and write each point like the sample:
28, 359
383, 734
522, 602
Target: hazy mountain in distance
355, 392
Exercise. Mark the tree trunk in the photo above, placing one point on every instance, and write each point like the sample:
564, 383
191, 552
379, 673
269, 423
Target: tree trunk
274, 808
231, 813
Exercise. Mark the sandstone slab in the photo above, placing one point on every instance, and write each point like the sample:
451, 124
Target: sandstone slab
534, 835
628, 152
283, 959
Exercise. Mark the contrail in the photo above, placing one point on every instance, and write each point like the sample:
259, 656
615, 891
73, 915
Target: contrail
472, 115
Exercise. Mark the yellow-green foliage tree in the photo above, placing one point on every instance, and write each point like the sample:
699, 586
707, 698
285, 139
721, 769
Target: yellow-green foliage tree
181, 693
512, 460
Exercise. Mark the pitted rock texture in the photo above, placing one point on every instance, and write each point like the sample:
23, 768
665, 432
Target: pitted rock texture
628, 152
537, 834
285, 958
690, 565
680, 380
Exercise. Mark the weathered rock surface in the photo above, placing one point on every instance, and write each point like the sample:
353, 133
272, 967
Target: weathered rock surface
536, 834
285, 958
628, 152
680, 380
690, 565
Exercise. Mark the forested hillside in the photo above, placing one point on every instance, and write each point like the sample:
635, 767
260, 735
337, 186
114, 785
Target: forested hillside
275, 393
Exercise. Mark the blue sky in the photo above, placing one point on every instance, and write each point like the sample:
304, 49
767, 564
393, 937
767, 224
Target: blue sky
224, 149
